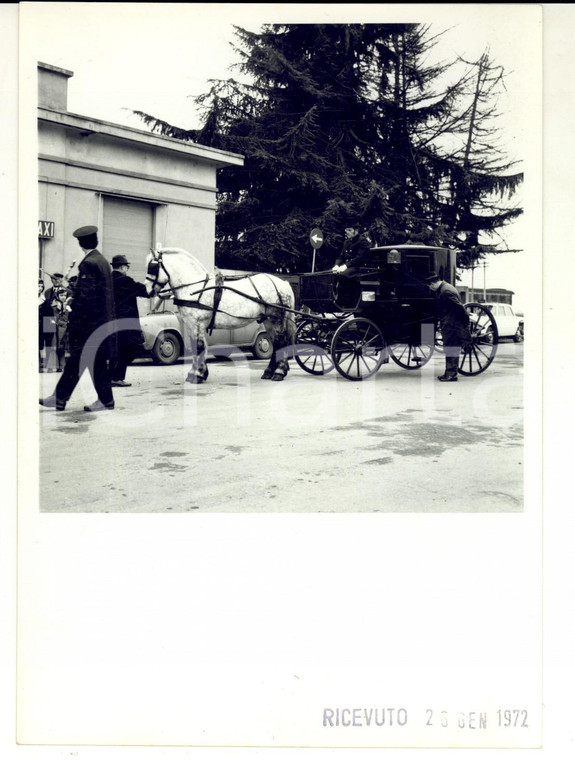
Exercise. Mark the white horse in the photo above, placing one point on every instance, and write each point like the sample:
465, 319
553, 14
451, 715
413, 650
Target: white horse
206, 301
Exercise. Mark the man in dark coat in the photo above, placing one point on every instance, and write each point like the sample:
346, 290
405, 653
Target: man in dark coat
89, 327
126, 291
453, 323
355, 252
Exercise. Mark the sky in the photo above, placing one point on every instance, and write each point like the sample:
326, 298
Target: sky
155, 57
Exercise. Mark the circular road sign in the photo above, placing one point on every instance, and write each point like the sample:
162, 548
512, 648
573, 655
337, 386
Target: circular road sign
316, 238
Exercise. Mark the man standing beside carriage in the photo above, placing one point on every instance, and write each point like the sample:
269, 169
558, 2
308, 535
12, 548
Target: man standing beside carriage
453, 323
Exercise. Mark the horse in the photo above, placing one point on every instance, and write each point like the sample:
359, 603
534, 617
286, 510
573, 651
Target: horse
207, 300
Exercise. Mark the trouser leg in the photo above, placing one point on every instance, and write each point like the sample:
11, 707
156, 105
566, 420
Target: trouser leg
452, 349
70, 377
119, 366
452, 361
100, 375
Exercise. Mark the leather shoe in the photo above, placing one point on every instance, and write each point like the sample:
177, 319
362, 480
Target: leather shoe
98, 406
53, 403
120, 384
447, 379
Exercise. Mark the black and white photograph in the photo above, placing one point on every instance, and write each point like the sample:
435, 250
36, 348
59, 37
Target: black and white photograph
280, 446
336, 207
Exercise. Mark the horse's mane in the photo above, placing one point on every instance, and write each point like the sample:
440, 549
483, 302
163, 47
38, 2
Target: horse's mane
191, 256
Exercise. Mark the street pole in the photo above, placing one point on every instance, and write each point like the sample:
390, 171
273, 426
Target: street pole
484, 278
472, 289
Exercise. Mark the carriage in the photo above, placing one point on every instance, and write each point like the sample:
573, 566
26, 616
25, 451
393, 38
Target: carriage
353, 324
386, 311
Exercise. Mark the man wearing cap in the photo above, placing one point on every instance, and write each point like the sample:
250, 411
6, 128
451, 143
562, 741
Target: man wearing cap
90, 343
453, 322
126, 291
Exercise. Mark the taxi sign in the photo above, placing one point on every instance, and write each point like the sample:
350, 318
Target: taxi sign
316, 238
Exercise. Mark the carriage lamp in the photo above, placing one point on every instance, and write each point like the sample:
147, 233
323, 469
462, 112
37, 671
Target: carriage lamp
394, 257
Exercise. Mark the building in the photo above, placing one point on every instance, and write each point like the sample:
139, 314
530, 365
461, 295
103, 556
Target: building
140, 189
487, 295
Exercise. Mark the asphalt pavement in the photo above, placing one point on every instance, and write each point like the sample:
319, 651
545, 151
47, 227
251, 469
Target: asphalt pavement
397, 442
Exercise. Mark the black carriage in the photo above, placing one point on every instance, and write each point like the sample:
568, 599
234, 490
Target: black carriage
384, 311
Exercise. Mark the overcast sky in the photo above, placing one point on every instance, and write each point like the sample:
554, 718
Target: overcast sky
155, 57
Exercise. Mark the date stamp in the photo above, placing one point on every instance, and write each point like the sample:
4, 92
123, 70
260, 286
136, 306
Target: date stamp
432, 718
477, 720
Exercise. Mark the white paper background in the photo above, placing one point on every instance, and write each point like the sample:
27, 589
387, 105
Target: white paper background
148, 629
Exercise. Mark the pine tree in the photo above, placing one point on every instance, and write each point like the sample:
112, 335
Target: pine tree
345, 121
477, 184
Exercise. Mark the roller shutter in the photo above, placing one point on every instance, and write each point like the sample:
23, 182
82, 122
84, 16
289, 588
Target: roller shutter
128, 229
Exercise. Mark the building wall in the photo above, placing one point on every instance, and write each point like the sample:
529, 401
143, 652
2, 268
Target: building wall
84, 161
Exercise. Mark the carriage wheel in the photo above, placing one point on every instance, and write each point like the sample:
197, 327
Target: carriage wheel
358, 348
478, 353
411, 355
313, 340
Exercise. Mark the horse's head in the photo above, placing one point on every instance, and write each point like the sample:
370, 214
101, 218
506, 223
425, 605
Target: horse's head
156, 273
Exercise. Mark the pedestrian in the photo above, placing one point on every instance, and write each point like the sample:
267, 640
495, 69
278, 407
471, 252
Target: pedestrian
453, 323
47, 340
129, 336
61, 315
355, 251
92, 310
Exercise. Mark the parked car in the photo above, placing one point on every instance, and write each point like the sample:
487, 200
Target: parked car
164, 342
509, 323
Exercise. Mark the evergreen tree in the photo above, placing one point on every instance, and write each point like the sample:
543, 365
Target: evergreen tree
478, 183
344, 121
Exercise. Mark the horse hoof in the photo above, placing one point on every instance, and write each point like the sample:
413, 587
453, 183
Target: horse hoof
267, 376
278, 376
194, 380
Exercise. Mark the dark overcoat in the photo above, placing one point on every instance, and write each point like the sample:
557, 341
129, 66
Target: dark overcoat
355, 252
93, 304
126, 293
453, 318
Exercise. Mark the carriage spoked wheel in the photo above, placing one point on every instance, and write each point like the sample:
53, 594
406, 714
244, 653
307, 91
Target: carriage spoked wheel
313, 341
479, 351
411, 355
358, 348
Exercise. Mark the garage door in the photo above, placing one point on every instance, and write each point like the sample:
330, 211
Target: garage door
128, 229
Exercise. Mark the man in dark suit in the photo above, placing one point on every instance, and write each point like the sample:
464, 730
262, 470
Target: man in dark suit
355, 252
453, 322
126, 291
89, 327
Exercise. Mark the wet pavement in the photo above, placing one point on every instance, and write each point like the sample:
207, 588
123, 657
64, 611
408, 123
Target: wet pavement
398, 442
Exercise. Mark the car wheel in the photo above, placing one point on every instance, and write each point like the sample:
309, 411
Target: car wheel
263, 347
519, 335
166, 349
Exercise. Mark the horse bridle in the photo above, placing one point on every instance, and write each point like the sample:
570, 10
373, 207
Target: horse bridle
153, 273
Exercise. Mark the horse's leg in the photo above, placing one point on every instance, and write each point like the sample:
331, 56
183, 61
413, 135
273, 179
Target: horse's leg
272, 364
281, 330
196, 338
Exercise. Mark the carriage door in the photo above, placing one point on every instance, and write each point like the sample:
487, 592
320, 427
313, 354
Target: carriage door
415, 268
128, 228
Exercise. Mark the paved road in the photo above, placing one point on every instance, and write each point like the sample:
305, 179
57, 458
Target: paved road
400, 441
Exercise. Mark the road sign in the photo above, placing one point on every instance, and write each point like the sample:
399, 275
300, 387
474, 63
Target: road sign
316, 238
